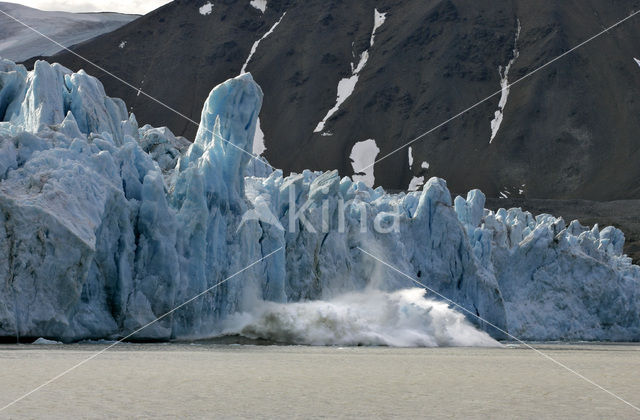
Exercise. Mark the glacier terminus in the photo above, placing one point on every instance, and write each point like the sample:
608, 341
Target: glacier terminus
107, 225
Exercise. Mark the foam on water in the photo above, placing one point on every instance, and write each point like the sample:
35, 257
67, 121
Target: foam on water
405, 318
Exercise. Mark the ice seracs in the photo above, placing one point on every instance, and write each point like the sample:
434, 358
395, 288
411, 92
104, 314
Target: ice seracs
504, 83
107, 225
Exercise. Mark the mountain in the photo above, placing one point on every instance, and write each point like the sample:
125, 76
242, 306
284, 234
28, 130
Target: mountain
18, 42
567, 132
108, 227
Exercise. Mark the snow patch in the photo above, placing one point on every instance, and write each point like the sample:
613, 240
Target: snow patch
363, 155
637, 61
416, 183
122, 44
259, 4
504, 83
206, 9
259, 145
345, 89
347, 85
140, 88
378, 21
254, 47
258, 140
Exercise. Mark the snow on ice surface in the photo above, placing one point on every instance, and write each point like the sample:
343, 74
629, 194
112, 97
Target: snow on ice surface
19, 43
259, 4
363, 155
504, 83
206, 9
347, 85
108, 225
255, 45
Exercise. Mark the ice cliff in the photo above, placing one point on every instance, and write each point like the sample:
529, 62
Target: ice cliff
107, 225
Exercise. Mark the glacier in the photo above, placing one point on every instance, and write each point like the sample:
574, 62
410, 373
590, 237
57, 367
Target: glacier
107, 225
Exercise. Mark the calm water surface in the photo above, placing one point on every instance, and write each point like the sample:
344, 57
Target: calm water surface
246, 381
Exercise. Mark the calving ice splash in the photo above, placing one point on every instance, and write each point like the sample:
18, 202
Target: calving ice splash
404, 318
107, 225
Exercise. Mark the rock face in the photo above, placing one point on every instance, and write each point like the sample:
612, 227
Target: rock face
106, 226
575, 121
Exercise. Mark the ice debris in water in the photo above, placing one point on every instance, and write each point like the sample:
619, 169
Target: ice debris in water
44, 341
107, 225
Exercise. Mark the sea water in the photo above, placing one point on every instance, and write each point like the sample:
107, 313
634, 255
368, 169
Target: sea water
213, 380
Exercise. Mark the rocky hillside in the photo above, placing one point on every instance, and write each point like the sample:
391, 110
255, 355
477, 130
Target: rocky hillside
338, 73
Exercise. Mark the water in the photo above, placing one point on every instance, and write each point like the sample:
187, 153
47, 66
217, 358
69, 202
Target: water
249, 381
404, 318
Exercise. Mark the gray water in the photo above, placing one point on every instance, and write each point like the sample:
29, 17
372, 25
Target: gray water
249, 381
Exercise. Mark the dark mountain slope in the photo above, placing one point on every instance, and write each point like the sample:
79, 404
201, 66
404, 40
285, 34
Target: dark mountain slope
569, 131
